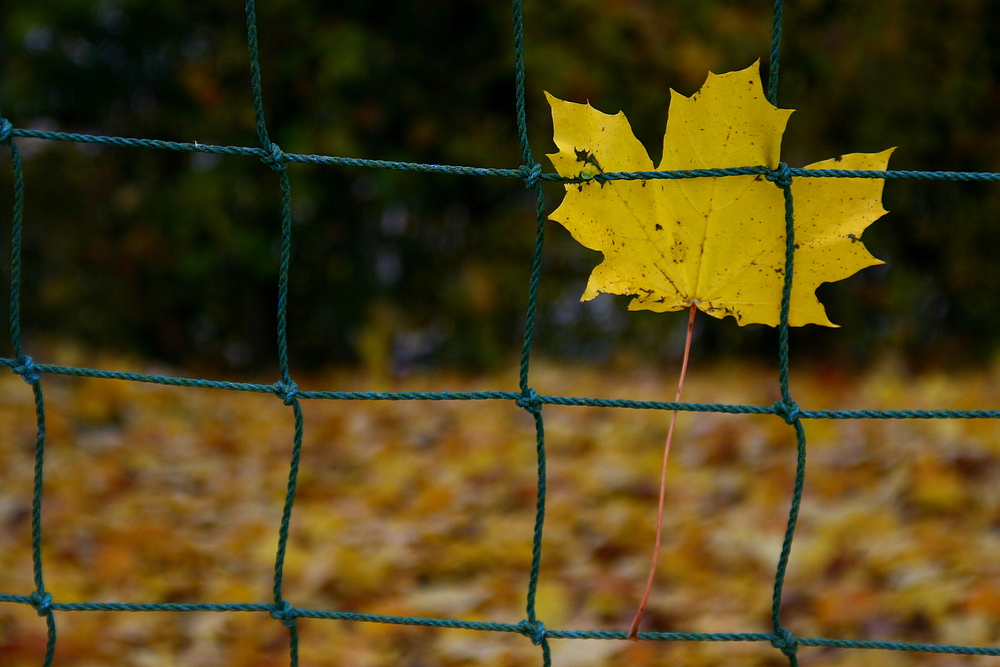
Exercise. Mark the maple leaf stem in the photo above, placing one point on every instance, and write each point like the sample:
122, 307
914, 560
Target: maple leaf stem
633, 632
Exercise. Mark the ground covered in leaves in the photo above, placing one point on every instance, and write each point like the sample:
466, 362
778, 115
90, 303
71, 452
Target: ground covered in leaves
426, 509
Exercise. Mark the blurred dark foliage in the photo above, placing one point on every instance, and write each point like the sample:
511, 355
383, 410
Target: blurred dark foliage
174, 255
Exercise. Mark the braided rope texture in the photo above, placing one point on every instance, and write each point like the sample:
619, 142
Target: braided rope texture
526, 398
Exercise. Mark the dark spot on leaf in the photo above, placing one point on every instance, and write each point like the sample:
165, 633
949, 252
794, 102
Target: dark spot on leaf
586, 157
659, 227
838, 158
854, 239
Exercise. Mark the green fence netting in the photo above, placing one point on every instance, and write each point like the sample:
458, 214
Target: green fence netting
531, 173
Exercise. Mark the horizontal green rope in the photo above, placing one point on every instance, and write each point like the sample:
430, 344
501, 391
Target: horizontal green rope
919, 175
145, 606
898, 646
499, 395
567, 401
409, 620
260, 153
987, 176
142, 377
502, 627
663, 636
518, 173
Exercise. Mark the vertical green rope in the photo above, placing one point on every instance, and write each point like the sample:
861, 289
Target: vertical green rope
258, 98
531, 170
784, 181
276, 159
529, 397
522, 128
17, 223
784, 640
284, 269
40, 599
286, 389
788, 409
772, 77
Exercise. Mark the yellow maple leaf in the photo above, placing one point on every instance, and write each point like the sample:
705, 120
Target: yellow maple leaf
714, 242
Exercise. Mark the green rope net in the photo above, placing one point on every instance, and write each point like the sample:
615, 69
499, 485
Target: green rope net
530, 172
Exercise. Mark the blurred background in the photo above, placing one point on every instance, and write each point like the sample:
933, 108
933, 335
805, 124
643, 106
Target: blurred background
154, 260
174, 255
